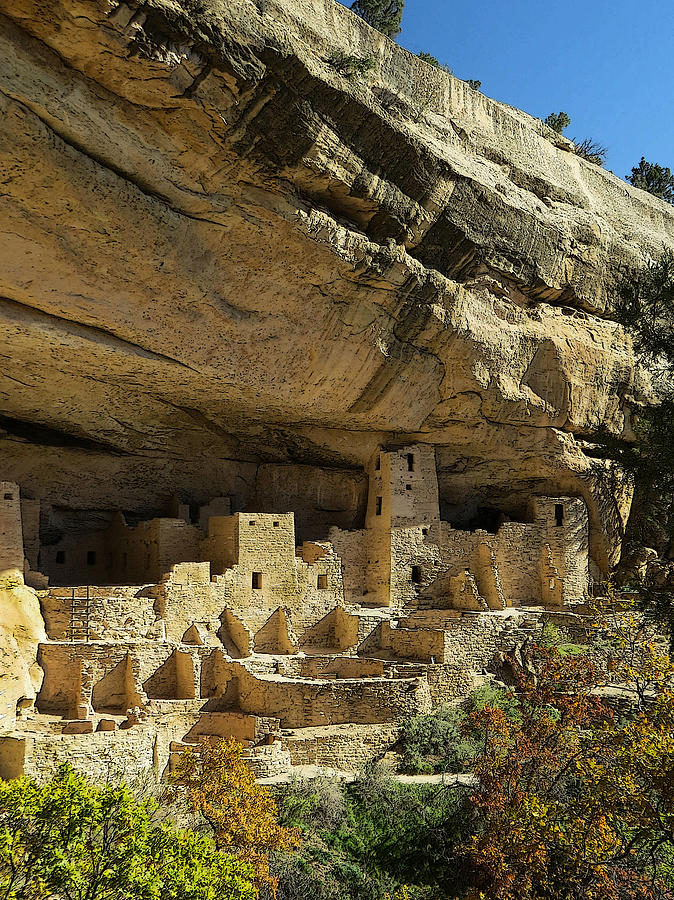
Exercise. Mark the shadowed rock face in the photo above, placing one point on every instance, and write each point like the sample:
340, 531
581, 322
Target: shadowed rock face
228, 268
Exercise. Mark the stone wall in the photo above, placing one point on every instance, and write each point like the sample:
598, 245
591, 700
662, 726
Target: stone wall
114, 613
472, 643
264, 574
304, 702
113, 678
137, 753
353, 548
186, 596
421, 644
346, 747
120, 554
11, 533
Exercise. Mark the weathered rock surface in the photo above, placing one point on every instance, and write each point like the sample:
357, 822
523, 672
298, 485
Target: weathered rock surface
21, 631
223, 258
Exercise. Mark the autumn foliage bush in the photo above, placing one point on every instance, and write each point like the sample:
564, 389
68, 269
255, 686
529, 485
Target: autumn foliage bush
571, 801
216, 784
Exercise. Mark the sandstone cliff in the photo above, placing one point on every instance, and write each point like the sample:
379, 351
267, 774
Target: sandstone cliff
21, 632
225, 257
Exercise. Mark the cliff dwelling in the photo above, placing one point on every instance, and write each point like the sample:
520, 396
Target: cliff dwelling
303, 383
210, 622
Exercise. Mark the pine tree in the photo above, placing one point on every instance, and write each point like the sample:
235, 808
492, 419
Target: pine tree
558, 121
384, 15
657, 180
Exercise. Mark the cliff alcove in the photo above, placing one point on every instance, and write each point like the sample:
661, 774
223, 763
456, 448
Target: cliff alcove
228, 269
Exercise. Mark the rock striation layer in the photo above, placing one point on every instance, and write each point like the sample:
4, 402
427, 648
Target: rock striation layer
233, 266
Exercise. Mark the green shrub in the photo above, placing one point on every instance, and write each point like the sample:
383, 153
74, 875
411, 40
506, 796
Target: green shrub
390, 835
352, 66
443, 741
432, 742
553, 636
69, 839
434, 61
316, 803
408, 831
558, 121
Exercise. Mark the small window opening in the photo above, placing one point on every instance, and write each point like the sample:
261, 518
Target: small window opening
275, 524
251, 522
410, 462
408, 487
377, 465
91, 557
60, 557
322, 582
416, 574
257, 581
9, 496
559, 514
424, 531
379, 505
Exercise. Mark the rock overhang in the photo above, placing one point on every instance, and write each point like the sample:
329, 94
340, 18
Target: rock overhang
225, 252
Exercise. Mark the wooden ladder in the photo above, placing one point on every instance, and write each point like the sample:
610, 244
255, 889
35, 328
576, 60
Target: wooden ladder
79, 616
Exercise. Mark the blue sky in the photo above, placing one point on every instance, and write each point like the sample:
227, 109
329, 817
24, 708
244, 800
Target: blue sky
609, 65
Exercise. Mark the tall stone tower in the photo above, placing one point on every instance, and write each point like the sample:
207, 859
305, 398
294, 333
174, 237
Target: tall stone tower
403, 495
11, 531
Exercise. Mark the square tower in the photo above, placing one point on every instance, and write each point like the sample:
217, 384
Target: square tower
11, 530
564, 529
403, 494
403, 488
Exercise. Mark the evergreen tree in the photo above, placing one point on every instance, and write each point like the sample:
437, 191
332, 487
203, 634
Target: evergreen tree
657, 180
558, 121
384, 15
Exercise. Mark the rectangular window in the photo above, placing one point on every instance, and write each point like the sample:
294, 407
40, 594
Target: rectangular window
60, 557
276, 524
379, 505
322, 582
559, 514
416, 574
252, 522
91, 557
377, 465
257, 581
9, 496
410, 462
408, 487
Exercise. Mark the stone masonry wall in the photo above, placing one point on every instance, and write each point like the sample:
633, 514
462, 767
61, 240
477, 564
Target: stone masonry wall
128, 755
123, 613
345, 747
11, 533
304, 702
121, 554
115, 677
